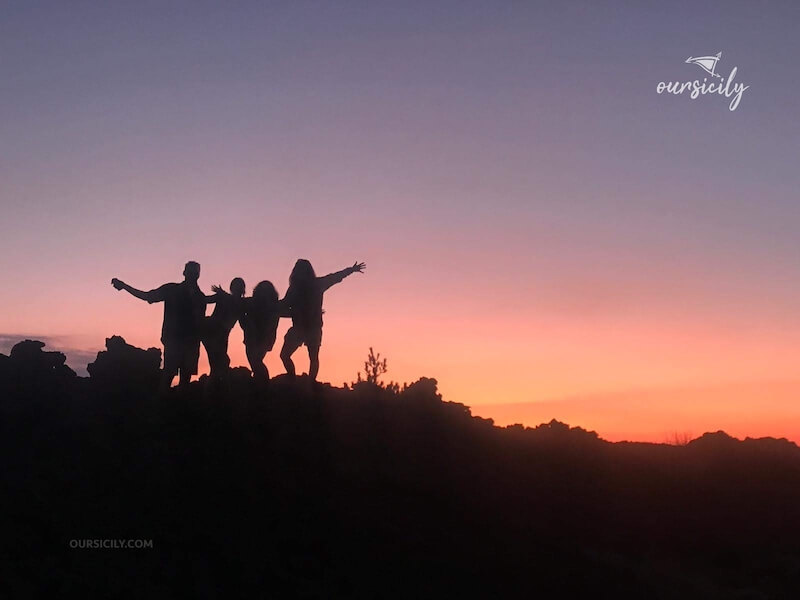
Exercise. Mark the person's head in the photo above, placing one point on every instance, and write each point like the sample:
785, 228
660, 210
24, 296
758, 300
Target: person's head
237, 287
302, 273
265, 293
191, 272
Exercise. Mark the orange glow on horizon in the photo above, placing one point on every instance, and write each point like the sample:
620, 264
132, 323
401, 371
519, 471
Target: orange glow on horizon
510, 366
765, 409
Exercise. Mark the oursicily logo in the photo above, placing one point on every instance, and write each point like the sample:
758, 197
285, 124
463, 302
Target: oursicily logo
719, 85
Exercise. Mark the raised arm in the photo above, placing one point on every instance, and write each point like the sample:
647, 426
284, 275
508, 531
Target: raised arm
217, 292
155, 295
334, 278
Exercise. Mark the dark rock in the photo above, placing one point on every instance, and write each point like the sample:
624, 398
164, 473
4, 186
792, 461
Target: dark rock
28, 359
124, 366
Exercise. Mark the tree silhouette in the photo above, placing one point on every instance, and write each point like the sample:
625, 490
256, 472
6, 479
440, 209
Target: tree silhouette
374, 367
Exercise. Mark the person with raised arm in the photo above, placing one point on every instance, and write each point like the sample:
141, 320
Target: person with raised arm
184, 310
303, 303
258, 318
217, 327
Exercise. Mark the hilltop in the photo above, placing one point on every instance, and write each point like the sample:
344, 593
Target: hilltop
313, 491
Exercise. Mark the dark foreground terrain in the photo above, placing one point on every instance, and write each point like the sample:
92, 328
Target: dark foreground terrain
367, 493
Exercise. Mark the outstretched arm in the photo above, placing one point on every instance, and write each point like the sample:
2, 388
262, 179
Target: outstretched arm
335, 278
218, 291
151, 296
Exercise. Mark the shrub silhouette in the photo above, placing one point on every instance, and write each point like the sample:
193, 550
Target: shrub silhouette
679, 438
374, 367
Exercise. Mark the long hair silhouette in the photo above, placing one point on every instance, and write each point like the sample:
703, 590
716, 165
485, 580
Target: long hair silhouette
260, 325
302, 274
303, 302
265, 292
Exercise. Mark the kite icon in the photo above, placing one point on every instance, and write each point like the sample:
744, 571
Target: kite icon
707, 63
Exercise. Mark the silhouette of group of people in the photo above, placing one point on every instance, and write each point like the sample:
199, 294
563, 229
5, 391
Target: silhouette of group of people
186, 325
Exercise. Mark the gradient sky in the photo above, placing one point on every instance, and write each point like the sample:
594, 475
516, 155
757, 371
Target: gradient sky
539, 225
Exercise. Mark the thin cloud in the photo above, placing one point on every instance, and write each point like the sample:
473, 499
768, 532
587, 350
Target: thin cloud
77, 358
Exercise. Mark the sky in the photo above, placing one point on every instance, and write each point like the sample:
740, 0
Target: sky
544, 233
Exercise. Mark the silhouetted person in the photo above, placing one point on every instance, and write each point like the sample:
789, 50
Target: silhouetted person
217, 328
303, 301
260, 324
184, 310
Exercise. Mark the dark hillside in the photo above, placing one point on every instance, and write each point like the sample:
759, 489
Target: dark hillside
366, 492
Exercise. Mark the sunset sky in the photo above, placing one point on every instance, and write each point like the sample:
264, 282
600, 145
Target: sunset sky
544, 233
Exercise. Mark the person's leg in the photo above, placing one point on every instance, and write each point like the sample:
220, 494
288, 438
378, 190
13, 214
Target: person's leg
313, 359
170, 368
255, 356
313, 342
291, 342
218, 360
188, 363
185, 378
208, 344
224, 359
